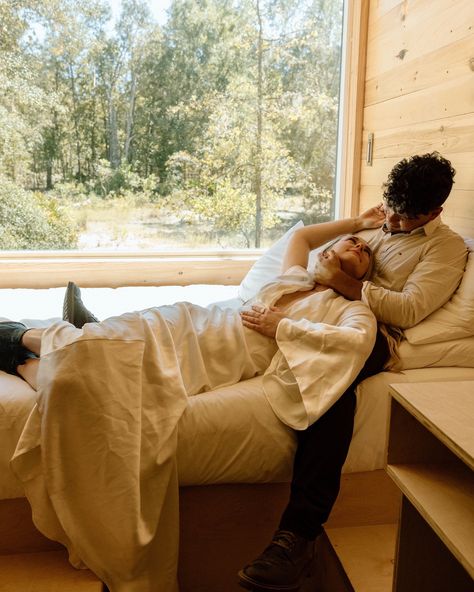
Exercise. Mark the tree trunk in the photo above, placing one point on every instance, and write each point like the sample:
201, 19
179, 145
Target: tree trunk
76, 121
130, 114
114, 154
49, 175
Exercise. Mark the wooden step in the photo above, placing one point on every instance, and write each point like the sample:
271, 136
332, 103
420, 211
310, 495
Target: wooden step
364, 557
49, 571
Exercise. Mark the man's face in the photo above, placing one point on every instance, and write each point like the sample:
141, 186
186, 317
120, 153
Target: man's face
402, 223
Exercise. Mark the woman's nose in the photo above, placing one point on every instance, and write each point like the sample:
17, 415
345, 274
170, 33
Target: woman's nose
393, 217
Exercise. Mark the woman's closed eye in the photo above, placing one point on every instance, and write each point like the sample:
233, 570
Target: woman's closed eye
356, 241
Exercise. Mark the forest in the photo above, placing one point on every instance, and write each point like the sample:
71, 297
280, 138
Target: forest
217, 127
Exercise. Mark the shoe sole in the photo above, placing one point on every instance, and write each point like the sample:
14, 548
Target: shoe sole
251, 584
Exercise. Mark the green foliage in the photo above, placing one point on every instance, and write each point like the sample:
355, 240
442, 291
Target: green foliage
123, 182
226, 113
32, 220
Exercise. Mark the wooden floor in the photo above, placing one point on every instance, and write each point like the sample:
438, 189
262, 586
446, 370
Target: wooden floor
48, 571
366, 554
223, 528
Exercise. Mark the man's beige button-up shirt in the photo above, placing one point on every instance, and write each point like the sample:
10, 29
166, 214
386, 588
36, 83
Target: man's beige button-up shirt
415, 273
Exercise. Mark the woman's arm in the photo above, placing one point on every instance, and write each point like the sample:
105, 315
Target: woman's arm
305, 239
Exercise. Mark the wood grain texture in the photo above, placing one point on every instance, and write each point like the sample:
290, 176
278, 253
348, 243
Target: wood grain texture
225, 526
419, 95
366, 554
45, 271
446, 409
422, 72
435, 103
414, 29
377, 174
44, 572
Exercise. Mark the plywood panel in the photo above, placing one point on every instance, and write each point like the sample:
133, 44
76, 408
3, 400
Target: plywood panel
463, 163
450, 135
369, 196
380, 8
366, 554
422, 72
460, 204
445, 100
44, 572
462, 226
415, 28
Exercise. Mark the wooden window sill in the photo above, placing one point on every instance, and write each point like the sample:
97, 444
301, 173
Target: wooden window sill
50, 269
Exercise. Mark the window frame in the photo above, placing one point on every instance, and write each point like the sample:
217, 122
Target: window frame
48, 269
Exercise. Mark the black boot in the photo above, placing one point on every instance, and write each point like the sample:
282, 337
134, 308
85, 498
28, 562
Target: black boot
74, 310
12, 352
283, 565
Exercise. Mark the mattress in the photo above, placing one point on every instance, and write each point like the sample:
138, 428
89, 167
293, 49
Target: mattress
231, 435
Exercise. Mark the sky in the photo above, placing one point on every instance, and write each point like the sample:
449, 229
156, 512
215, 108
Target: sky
157, 7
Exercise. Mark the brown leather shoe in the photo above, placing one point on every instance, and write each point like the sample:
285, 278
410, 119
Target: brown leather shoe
282, 567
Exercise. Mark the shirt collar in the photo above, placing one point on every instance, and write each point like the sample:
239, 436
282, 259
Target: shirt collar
427, 229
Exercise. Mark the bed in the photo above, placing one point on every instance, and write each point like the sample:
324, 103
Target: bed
234, 456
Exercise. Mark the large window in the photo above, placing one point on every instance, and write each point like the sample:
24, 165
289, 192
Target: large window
211, 124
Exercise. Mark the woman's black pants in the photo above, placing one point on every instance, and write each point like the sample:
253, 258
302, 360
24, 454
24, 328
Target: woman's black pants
321, 452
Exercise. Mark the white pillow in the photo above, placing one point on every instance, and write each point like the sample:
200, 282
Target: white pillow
267, 267
456, 352
454, 320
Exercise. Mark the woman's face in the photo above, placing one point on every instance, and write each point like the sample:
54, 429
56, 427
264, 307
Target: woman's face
354, 255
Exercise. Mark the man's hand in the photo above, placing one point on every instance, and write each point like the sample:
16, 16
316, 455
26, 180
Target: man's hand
372, 218
263, 320
327, 267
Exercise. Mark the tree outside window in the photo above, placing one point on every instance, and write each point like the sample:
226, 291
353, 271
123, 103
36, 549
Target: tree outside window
216, 128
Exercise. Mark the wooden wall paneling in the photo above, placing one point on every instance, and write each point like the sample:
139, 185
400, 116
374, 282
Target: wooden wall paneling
452, 135
462, 226
422, 72
463, 163
460, 204
380, 8
446, 100
370, 195
415, 28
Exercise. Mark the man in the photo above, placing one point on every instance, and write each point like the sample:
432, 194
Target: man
419, 263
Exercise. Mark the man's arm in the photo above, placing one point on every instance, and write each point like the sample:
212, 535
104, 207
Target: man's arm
305, 239
428, 287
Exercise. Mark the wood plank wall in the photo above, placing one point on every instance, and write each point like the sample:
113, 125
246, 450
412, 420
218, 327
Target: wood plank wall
419, 95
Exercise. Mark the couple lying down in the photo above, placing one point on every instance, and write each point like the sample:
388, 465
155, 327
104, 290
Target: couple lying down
97, 453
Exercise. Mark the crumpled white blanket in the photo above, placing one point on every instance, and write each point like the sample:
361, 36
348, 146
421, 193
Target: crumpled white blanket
97, 455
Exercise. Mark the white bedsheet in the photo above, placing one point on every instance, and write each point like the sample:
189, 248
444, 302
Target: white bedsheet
230, 435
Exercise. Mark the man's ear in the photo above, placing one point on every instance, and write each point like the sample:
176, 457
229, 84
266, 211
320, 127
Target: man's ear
436, 212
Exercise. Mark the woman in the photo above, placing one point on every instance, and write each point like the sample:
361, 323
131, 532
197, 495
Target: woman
97, 455
276, 301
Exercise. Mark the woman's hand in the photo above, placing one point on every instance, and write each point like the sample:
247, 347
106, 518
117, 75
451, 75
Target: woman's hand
261, 319
372, 218
326, 268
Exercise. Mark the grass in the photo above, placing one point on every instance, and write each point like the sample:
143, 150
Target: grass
119, 224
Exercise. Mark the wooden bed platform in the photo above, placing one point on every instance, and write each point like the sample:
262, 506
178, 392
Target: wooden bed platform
222, 528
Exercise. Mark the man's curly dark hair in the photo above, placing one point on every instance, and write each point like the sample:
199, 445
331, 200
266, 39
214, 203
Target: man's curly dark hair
419, 184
